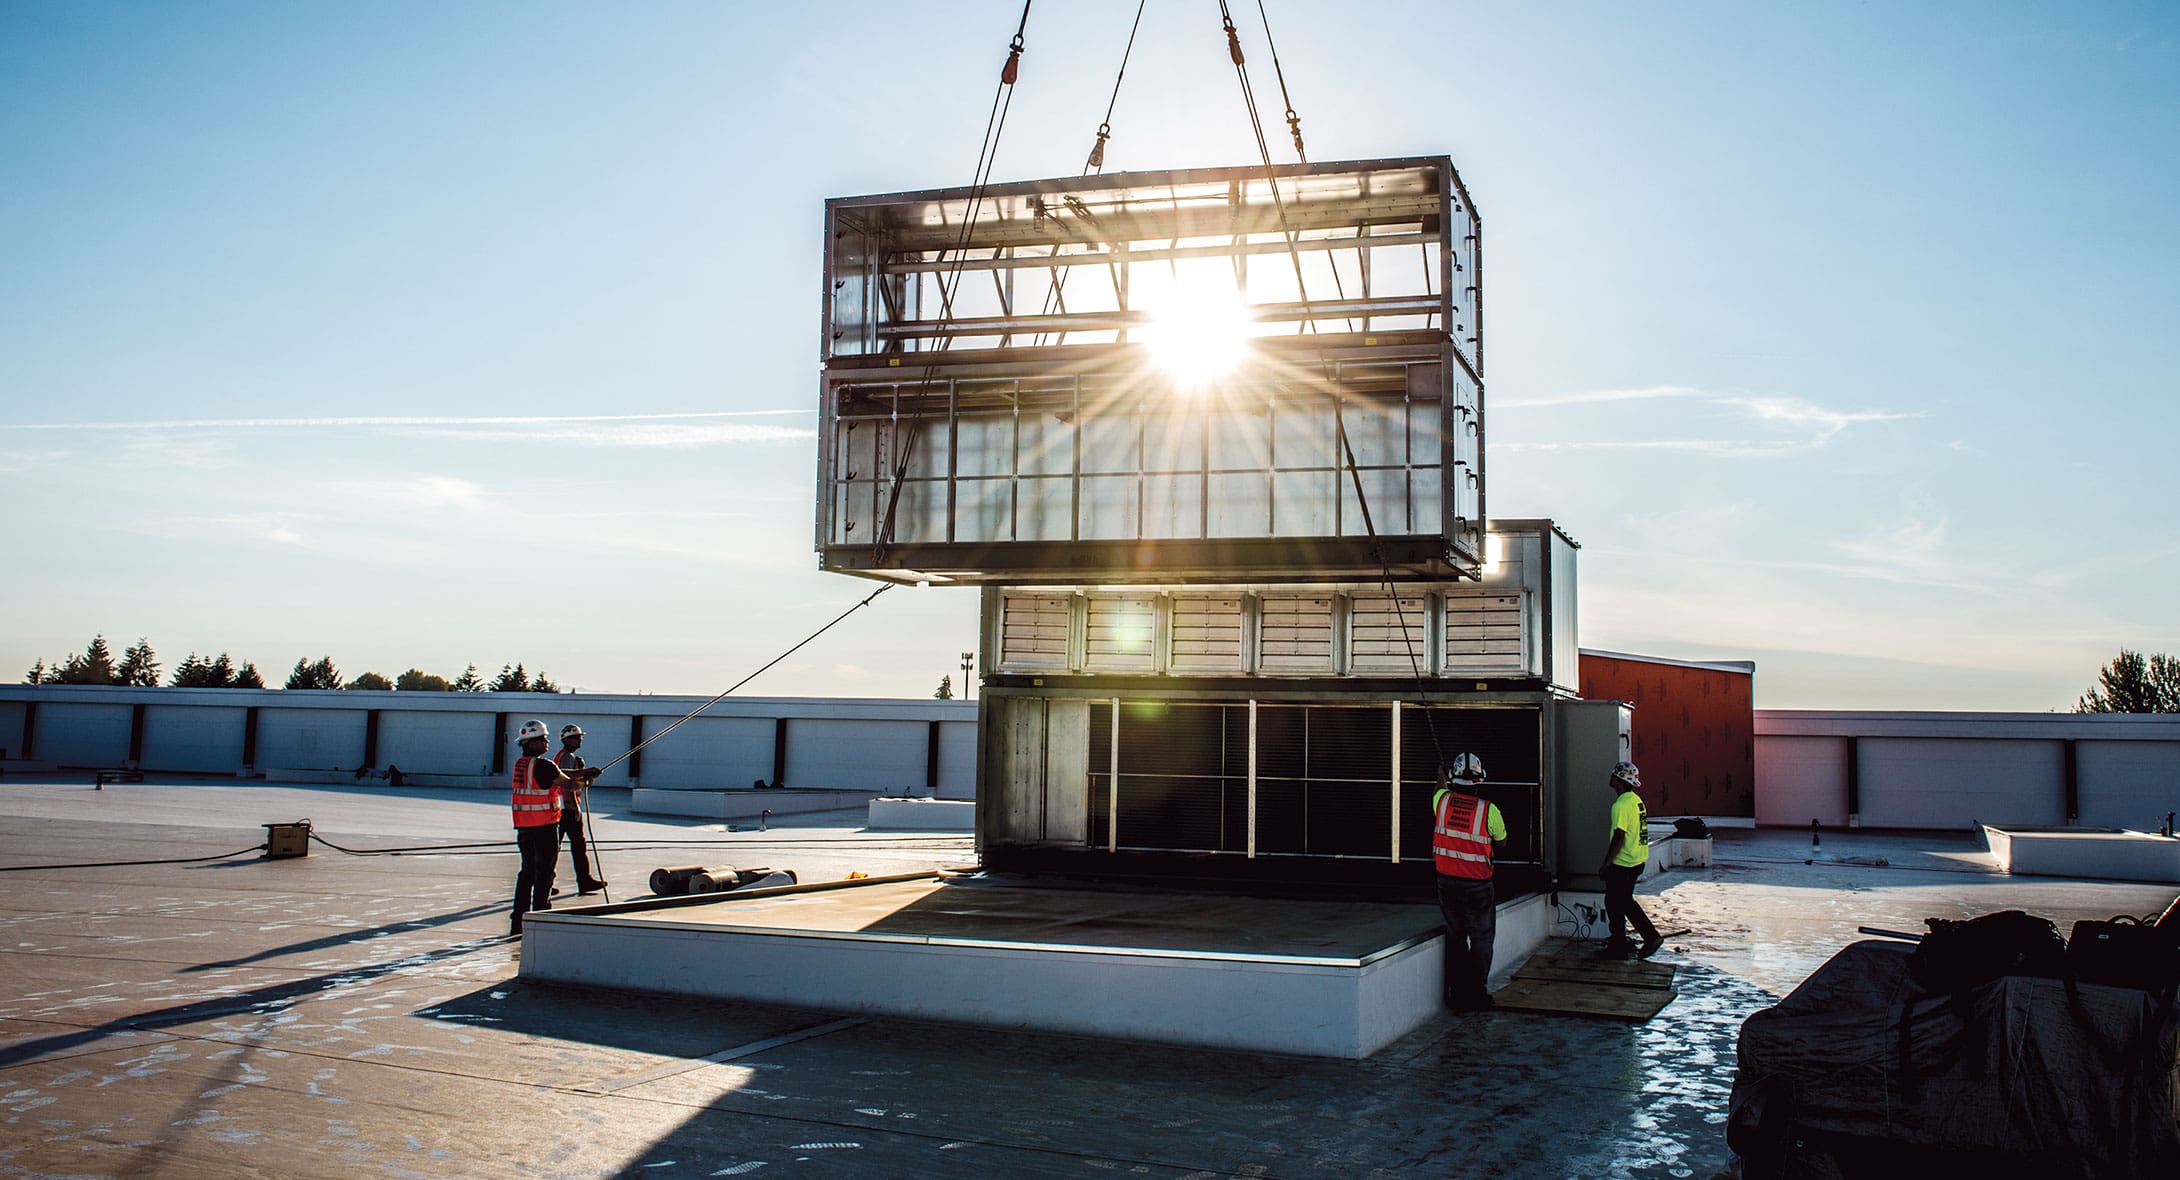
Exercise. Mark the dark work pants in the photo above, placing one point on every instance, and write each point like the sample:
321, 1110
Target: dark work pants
571, 826
1621, 908
1471, 910
540, 847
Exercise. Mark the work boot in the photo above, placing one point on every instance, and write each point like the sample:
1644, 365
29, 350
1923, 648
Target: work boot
590, 886
1650, 947
1616, 948
514, 928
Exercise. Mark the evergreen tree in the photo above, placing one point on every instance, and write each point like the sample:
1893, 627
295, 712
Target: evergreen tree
418, 680
468, 682
371, 681
319, 675
190, 673
946, 688
543, 685
139, 666
2134, 683
36, 675
220, 673
247, 677
94, 666
511, 680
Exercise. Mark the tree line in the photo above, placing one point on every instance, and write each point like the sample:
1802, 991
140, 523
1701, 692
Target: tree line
139, 666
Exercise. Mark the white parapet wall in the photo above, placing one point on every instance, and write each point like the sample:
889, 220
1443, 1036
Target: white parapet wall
1953, 771
923, 815
863, 747
2098, 854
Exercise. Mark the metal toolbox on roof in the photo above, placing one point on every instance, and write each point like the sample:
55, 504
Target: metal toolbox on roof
1017, 383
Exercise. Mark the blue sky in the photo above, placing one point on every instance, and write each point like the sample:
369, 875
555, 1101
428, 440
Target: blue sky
1840, 336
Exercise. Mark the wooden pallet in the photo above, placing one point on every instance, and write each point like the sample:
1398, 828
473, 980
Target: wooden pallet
1572, 981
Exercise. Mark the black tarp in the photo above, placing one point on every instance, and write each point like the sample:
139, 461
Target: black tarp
2019, 1076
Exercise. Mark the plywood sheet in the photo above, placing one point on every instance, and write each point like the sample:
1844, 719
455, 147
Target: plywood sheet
1571, 982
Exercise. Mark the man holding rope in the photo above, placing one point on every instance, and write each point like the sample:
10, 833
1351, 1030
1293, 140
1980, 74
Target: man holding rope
571, 809
536, 795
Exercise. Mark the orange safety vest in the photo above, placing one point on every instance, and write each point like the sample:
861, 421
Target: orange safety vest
535, 806
1461, 839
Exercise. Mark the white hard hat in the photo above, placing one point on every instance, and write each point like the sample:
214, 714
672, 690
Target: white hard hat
532, 728
1468, 767
571, 729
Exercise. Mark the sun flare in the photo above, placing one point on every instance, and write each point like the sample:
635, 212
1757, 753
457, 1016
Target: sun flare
1199, 327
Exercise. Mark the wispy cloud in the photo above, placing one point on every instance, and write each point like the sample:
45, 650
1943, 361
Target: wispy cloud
336, 422
279, 528
624, 434
1594, 396
1793, 424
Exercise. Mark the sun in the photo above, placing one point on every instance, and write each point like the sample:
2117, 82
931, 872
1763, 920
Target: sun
1199, 326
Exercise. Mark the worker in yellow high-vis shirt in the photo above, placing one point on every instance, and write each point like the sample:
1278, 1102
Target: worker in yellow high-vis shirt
1625, 856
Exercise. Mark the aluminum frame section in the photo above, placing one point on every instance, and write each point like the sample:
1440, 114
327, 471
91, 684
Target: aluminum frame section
990, 410
1515, 624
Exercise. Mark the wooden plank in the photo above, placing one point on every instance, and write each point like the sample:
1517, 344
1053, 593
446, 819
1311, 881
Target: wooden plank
1576, 999
1551, 973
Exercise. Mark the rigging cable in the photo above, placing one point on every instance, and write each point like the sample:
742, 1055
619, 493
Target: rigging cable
995, 124
1294, 254
1294, 121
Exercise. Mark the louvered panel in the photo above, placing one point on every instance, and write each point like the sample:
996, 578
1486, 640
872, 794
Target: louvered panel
1390, 635
1033, 631
1121, 628
1296, 635
1206, 634
1485, 633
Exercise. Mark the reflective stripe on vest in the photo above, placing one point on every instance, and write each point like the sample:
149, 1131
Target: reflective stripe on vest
534, 806
1461, 839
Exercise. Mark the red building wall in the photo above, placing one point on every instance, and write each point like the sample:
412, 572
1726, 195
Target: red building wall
1693, 731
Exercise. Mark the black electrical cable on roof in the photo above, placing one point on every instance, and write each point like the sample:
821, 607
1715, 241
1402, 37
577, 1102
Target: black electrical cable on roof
122, 864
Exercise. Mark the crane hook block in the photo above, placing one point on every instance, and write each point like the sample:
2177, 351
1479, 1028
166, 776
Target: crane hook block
1013, 68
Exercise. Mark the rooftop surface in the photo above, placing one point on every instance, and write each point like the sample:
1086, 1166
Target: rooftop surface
344, 1015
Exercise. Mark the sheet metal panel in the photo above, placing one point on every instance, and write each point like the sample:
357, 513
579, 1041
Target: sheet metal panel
440, 742
1952, 783
1034, 631
1487, 632
308, 738
197, 738
1297, 632
1208, 634
1390, 635
76, 733
2127, 784
709, 753
890, 757
1121, 630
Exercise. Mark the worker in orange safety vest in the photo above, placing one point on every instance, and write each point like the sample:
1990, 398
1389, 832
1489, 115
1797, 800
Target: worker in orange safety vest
1464, 831
536, 794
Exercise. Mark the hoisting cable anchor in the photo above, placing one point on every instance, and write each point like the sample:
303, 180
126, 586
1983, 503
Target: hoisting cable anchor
1013, 69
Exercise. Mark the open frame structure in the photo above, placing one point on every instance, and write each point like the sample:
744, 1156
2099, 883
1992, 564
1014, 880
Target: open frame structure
994, 407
